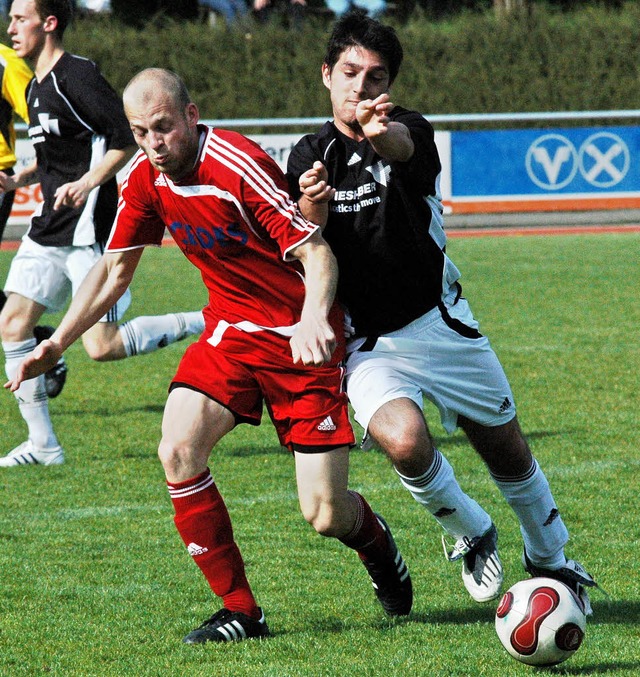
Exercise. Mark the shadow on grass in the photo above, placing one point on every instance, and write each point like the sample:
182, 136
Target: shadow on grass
611, 612
605, 612
601, 669
113, 411
246, 452
475, 614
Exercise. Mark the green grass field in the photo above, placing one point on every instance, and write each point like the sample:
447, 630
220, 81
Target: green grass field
95, 581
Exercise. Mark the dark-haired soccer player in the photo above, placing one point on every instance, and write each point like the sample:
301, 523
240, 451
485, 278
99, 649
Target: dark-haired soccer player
371, 177
273, 335
81, 138
15, 75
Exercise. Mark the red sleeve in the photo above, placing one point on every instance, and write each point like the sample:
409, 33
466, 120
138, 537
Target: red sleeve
264, 192
138, 222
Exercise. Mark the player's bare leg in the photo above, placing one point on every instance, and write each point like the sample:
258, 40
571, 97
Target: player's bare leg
400, 429
503, 448
191, 426
333, 510
108, 341
324, 499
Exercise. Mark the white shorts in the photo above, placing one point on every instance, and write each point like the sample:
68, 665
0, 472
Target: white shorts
443, 359
49, 275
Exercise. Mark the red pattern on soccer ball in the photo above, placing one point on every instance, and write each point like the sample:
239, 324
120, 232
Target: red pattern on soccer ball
524, 638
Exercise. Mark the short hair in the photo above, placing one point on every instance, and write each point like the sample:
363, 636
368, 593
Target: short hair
61, 9
357, 29
169, 81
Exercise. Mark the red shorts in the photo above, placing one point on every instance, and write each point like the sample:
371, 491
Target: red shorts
307, 405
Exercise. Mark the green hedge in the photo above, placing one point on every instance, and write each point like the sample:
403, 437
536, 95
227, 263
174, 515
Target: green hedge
475, 62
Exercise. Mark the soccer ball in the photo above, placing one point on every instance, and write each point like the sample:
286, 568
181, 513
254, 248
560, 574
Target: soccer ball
540, 621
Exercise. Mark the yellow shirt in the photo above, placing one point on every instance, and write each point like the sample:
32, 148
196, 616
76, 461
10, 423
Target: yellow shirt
15, 76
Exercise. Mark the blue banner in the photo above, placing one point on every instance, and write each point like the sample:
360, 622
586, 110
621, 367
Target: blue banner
546, 162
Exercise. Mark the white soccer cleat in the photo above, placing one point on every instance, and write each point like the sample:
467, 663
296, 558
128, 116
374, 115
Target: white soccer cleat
27, 454
482, 573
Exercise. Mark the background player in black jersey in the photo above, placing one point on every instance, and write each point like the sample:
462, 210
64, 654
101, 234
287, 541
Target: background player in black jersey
15, 75
81, 138
372, 176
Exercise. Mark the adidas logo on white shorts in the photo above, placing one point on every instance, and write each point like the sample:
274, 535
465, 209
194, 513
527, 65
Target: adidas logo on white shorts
194, 549
327, 425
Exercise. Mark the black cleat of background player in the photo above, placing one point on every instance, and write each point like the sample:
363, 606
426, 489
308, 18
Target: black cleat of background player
56, 377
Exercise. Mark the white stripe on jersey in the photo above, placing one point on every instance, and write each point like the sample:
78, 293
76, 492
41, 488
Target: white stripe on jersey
268, 193
243, 165
64, 98
85, 231
201, 189
267, 181
249, 328
135, 161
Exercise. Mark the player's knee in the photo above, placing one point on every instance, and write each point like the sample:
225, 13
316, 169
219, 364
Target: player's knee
174, 456
323, 518
12, 327
5, 327
100, 350
408, 446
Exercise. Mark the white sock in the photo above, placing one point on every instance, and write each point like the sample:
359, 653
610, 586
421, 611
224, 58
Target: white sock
439, 492
150, 332
542, 528
31, 396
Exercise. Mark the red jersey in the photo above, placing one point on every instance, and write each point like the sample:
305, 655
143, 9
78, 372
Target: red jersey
233, 219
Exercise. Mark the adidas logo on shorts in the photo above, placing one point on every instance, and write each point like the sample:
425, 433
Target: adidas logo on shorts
327, 425
505, 405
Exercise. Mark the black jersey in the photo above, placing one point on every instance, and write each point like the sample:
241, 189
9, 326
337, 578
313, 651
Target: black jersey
385, 224
74, 118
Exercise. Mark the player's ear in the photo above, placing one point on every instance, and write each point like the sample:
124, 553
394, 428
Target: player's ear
192, 114
50, 24
326, 75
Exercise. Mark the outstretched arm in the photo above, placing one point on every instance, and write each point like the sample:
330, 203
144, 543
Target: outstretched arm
391, 140
103, 286
314, 340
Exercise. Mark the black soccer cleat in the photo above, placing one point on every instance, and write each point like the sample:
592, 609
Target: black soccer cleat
228, 626
56, 377
390, 578
572, 574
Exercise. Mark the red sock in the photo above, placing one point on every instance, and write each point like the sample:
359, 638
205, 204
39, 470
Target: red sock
203, 523
367, 537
